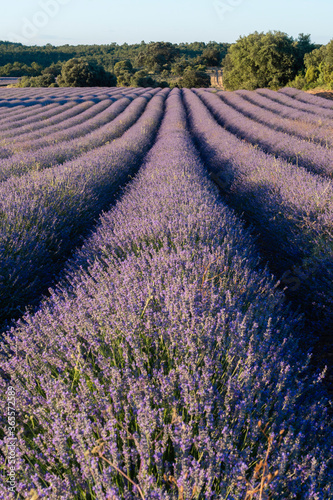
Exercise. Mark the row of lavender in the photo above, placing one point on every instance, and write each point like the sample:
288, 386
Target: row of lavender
314, 157
290, 209
165, 365
44, 214
316, 128
17, 132
75, 140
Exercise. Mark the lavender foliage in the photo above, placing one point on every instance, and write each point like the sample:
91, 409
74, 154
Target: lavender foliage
43, 215
169, 348
311, 156
291, 210
254, 111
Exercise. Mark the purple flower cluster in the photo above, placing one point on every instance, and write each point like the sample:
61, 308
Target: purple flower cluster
306, 154
164, 349
43, 215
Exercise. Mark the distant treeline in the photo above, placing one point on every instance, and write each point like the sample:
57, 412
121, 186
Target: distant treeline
271, 59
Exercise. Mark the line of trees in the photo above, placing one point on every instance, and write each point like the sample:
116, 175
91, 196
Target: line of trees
271, 60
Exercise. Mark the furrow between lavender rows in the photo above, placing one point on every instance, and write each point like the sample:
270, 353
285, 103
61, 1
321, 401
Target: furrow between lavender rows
290, 209
311, 156
44, 215
304, 131
109, 125
164, 349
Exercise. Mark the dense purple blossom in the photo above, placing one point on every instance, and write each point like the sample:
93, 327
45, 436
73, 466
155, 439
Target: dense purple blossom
291, 209
311, 156
168, 342
253, 110
44, 214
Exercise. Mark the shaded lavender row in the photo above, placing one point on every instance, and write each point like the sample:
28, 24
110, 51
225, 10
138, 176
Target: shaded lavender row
313, 157
72, 127
46, 93
51, 103
286, 111
170, 348
291, 209
294, 103
307, 98
109, 125
61, 120
60, 112
255, 112
23, 116
45, 214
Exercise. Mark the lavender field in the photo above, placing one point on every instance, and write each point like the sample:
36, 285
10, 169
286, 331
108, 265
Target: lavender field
166, 294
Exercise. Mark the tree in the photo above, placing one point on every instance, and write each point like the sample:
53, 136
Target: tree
260, 60
157, 55
123, 67
211, 56
141, 79
319, 66
193, 78
78, 72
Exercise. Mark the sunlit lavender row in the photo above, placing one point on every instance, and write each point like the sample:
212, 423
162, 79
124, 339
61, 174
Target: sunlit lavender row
45, 214
305, 131
314, 157
309, 104
303, 97
286, 111
166, 298
165, 365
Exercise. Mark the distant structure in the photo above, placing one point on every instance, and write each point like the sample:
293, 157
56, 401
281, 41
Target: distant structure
216, 77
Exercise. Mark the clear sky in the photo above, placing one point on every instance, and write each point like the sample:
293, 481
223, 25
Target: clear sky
37, 22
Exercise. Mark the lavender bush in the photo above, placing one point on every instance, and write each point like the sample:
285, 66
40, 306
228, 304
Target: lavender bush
304, 131
291, 210
311, 156
167, 367
109, 125
44, 214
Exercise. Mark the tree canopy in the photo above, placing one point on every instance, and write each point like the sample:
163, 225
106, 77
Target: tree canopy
264, 60
81, 73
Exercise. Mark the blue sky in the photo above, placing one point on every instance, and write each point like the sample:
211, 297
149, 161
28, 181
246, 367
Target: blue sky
37, 22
